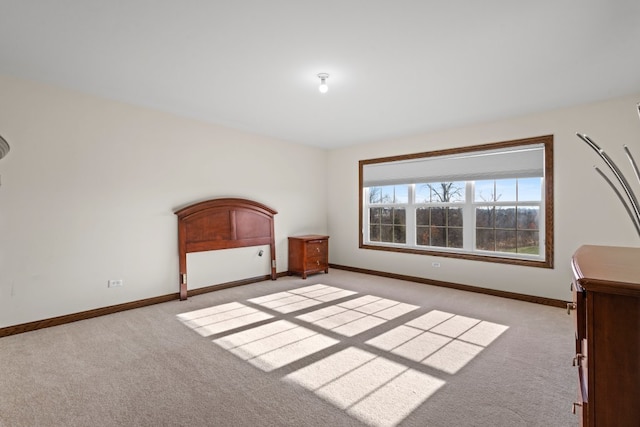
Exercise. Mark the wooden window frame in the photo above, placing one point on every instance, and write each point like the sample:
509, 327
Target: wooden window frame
547, 262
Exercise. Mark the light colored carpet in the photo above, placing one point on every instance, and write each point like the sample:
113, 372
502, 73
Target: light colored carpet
342, 349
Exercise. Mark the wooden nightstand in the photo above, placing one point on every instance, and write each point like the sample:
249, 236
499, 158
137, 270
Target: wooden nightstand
308, 254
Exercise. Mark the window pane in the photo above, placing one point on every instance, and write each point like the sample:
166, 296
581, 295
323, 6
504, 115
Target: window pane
386, 194
386, 233
485, 217
400, 216
506, 241
506, 217
438, 236
422, 236
506, 190
438, 216
386, 216
422, 216
423, 193
530, 189
375, 214
392, 228
457, 191
528, 217
455, 217
485, 240
375, 195
389, 194
440, 192
401, 194
529, 242
455, 238
447, 191
374, 233
484, 191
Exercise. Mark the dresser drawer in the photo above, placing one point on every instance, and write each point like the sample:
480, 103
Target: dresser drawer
582, 408
579, 312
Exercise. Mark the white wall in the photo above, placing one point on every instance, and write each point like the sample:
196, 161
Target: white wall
586, 209
89, 188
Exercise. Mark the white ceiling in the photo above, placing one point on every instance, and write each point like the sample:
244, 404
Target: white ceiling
397, 67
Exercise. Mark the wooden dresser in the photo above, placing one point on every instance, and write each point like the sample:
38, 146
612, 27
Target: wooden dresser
606, 303
308, 254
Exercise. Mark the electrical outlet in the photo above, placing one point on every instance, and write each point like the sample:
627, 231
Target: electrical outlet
114, 283
435, 264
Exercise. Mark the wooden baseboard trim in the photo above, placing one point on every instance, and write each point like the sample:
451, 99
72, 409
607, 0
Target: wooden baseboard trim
69, 318
74, 317
504, 294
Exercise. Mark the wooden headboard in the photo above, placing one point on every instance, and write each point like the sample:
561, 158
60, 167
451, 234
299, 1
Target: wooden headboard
223, 224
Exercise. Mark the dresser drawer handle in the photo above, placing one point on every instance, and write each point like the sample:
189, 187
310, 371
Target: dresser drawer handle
573, 407
577, 359
570, 306
318, 250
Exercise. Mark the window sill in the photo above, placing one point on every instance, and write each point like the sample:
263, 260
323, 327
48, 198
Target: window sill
485, 257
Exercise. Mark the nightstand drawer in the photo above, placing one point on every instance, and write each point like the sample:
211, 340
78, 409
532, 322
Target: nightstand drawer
317, 247
315, 263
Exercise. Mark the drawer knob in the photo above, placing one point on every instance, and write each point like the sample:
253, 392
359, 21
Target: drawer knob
573, 407
570, 306
318, 250
318, 262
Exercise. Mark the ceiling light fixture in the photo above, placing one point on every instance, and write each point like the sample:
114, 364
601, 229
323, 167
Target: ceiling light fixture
323, 88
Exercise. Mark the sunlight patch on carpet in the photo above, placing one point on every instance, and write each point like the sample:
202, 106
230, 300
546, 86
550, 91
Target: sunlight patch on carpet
444, 341
358, 315
222, 318
373, 389
301, 298
274, 345
379, 381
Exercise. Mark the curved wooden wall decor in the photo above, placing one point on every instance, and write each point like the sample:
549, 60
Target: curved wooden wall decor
223, 224
4, 147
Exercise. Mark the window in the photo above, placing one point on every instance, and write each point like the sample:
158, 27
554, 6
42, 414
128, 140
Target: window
507, 215
387, 213
492, 202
